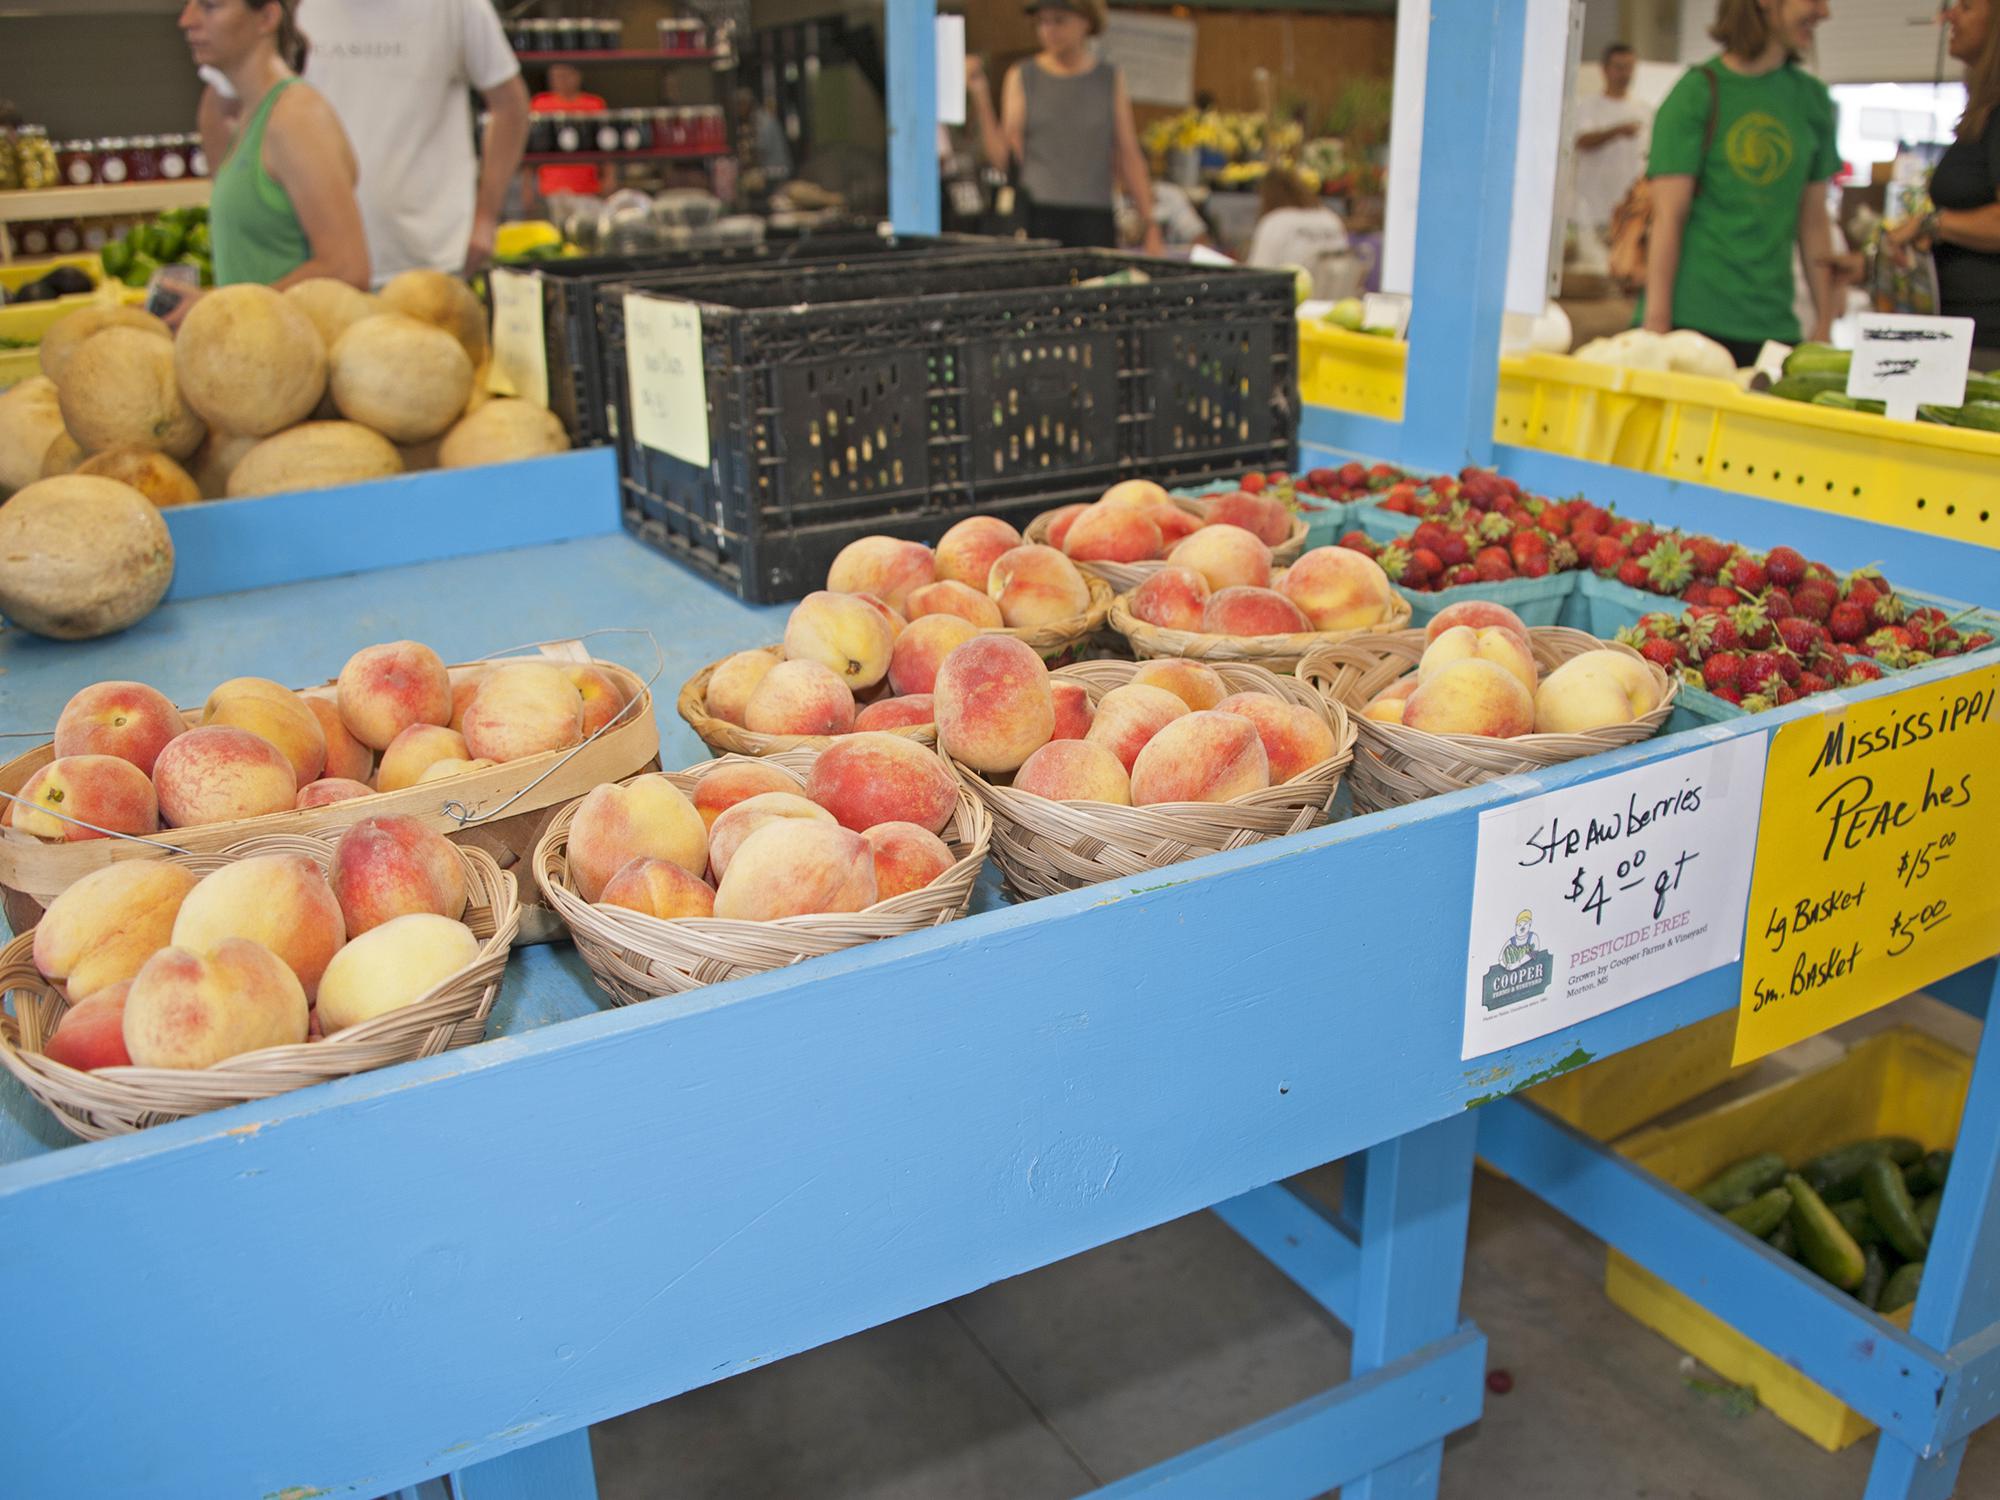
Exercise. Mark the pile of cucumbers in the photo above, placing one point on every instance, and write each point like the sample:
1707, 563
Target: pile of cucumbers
1817, 373
178, 236
1861, 1215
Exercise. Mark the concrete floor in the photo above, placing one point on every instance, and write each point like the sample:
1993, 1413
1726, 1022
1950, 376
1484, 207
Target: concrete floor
1048, 1385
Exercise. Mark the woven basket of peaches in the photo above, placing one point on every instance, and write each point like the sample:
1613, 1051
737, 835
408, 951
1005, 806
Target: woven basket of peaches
1476, 695
1105, 769
154, 989
741, 865
861, 653
1136, 527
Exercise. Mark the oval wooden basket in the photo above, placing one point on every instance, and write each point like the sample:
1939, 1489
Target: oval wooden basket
1275, 653
636, 957
1125, 577
113, 1101
1043, 846
1395, 765
42, 871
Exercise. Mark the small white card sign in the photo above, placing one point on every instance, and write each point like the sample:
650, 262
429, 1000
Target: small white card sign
1591, 897
1771, 360
951, 70
520, 354
1906, 361
1390, 310
663, 366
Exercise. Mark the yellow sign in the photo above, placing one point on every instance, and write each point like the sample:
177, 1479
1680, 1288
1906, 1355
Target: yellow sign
1878, 858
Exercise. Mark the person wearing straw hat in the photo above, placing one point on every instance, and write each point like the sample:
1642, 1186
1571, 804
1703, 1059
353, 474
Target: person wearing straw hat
1066, 121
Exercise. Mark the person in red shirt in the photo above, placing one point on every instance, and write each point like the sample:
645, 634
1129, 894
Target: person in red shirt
565, 95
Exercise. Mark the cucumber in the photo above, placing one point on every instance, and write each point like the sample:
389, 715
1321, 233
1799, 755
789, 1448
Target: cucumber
1841, 401
1980, 387
1818, 359
1824, 1243
1928, 1175
1784, 1239
1739, 1182
1763, 1213
1900, 1290
1804, 387
1828, 1171
1856, 1220
1927, 1211
1872, 1278
1889, 1205
1982, 416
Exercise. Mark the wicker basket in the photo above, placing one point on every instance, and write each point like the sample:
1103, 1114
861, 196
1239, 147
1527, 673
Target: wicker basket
1395, 765
1043, 846
636, 957
112, 1101
1275, 653
1125, 577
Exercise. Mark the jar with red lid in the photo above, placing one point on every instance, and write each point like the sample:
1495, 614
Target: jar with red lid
197, 157
635, 130
145, 158
173, 157
65, 237
114, 163
76, 163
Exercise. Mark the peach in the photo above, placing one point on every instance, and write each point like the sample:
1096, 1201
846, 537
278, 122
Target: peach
1141, 494
390, 866
1112, 533
1252, 611
384, 689
1127, 717
91, 1034
1384, 710
658, 888
1264, 516
746, 817
105, 925
614, 824
522, 708
330, 789
1060, 520
921, 650
733, 781
1471, 696
1592, 691
966, 552
601, 694
1075, 771
867, 779
1338, 588
732, 682
414, 752
1477, 613
440, 770
907, 858
950, 597
994, 707
884, 566
1400, 689
1636, 676
800, 697
1196, 685
286, 722
278, 900
846, 635
1176, 525
100, 790
464, 688
1037, 586
895, 619
896, 713
390, 966
1172, 599
1295, 738
791, 868
346, 757
191, 1010
125, 719
1227, 556
1201, 757
219, 772
1491, 643
1074, 710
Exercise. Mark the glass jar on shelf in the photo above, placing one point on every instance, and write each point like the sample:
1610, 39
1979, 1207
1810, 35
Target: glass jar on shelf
197, 157
541, 133
173, 158
569, 134
145, 158
114, 160
635, 130
609, 137
76, 163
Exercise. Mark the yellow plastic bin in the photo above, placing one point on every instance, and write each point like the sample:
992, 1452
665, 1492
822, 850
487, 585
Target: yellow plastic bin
17, 274
1899, 1082
1618, 1094
1357, 372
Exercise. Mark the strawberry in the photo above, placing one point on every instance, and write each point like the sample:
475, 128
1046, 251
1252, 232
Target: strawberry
1928, 614
1860, 669
1729, 692
1812, 682
1252, 483
1632, 573
1886, 610
1461, 575
1494, 528
1847, 622
1777, 603
1424, 564
1784, 693
1748, 574
1754, 624
1537, 566
1860, 591
1394, 559
1721, 669
1894, 638
1720, 595
1815, 604
1710, 557
1523, 545
1785, 566
1562, 556
1428, 534
1662, 652
1667, 567
1608, 555
1979, 640
1800, 636
1788, 666
1493, 565
1758, 671
1756, 703
1724, 634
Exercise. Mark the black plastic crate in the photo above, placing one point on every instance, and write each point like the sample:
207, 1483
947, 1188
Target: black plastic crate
898, 399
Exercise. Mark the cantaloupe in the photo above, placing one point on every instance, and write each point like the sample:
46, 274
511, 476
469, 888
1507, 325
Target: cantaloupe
333, 305
30, 422
405, 378
148, 471
502, 430
63, 455
65, 334
118, 388
214, 459
444, 302
314, 456
249, 360
81, 556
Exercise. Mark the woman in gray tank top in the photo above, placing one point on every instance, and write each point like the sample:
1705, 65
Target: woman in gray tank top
1065, 118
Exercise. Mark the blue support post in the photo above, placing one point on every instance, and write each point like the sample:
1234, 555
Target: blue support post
914, 189
1307, 1242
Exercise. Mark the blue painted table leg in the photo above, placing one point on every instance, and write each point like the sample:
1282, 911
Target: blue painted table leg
556, 1468
1417, 1194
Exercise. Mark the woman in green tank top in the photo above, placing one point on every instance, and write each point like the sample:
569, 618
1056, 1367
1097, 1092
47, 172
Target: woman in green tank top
282, 207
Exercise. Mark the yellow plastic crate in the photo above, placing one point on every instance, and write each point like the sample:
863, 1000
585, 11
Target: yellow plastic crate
1899, 1082
1355, 372
1608, 1098
17, 274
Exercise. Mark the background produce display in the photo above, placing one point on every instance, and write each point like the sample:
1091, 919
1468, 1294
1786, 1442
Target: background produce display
1817, 373
177, 237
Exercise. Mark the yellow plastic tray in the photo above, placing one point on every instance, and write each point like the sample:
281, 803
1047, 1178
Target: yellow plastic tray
1608, 1098
1355, 372
1900, 1082
17, 274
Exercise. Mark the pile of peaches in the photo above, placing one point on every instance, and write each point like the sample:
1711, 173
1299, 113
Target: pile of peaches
1478, 676
166, 969
1137, 521
755, 842
128, 761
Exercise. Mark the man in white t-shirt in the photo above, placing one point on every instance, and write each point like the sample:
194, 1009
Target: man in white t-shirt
1610, 150
399, 73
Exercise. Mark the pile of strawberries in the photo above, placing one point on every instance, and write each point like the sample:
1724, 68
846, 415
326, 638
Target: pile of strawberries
1477, 528
1350, 481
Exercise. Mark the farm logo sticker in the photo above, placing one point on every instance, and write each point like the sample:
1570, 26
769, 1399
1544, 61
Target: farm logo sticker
1524, 970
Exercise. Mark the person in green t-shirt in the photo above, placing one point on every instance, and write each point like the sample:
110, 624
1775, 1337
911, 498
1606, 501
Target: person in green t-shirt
1733, 198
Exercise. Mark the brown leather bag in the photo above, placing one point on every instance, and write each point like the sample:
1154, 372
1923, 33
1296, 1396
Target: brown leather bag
1632, 219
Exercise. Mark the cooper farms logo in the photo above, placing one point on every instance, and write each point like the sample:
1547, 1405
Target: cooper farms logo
1758, 149
1524, 970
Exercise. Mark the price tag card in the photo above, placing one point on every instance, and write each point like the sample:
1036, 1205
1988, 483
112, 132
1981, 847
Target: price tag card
1878, 862
1386, 310
663, 366
520, 353
1905, 361
1586, 899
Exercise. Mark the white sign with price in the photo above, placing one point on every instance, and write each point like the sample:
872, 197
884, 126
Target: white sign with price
1594, 896
1905, 361
663, 367
520, 353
